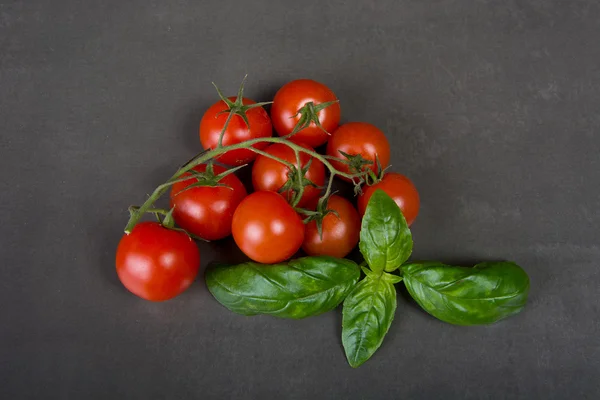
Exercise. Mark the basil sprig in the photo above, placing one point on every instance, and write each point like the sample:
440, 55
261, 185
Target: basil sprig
301, 288
483, 294
310, 286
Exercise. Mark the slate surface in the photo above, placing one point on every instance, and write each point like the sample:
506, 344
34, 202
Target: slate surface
492, 108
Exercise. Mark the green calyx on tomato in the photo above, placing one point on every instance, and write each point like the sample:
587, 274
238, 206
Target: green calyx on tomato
318, 212
309, 114
232, 121
207, 177
305, 111
359, 148
204, 204
237, 107
356, 162
296, 175
297, 183
333, 230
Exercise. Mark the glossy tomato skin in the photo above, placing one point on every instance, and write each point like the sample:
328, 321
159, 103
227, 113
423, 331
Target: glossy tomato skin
340, 232
294, 95
399, 188
207, 211
359, 138
269, 174
212, 124
266, 228
156, 263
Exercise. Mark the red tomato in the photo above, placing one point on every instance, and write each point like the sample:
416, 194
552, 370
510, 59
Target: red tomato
340, 232
359, 138
156, 263
291, 98
399, 188
269, 174
266, 228
207, 211
212, 124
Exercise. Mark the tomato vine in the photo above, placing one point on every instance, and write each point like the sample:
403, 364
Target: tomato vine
209, 155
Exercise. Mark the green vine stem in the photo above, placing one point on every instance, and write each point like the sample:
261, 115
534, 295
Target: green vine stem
208, 155
211, 154
300, 192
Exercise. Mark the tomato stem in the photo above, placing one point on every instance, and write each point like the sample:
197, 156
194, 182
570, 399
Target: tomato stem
329, 185
299, 184
161, 211
229, 116
278, 159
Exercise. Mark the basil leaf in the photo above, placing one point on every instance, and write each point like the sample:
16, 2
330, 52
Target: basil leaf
483, 294
368, 313
302, 288
385, 240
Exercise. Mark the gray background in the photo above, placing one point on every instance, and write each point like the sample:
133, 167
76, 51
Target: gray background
492, 108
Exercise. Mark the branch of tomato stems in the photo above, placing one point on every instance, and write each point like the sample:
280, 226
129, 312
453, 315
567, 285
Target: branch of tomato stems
211, 154
136, 212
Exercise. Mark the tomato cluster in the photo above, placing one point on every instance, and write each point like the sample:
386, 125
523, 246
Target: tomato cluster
292, 206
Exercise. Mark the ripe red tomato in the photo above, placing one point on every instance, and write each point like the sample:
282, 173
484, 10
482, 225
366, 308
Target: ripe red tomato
266, 228
269, 174
359, 138
292, 97
340, 232
207, 211
212, 124
156, 263
399, 188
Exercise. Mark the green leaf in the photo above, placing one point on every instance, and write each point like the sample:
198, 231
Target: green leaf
483, 294
368, 314
385, 240
302, 288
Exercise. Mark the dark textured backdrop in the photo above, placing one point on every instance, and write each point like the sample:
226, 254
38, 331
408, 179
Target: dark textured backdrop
492, 108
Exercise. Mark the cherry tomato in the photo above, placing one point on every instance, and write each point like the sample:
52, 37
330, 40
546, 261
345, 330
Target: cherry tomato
269, 174
292, 97
340, 232
212, 124
359, 138
399, 188
156, 263
207, 211
266, 228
